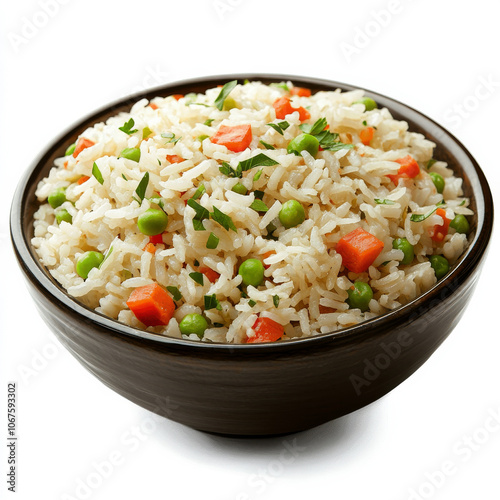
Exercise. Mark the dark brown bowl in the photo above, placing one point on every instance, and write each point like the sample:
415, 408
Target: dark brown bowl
258, 389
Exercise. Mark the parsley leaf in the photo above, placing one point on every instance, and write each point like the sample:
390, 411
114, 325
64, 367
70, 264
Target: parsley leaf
266, 145
97, 173
212, 242
327, 140
256, 177
384, 201
430, 163
224, 220
176, 294
260, 160
199, 192
314, 129
276, 300
201, 214
279, 127
225, 91
208, 122
280, 85
142, 186
108, 253
259, 206
211, 302
251, 303
171, 137
259, 195
127, 127
146, 132
226, 169
422, 217
197, 277
123, 175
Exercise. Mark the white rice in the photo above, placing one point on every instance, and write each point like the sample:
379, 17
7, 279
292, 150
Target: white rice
337, 190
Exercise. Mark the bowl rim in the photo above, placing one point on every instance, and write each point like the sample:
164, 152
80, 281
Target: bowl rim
465, 264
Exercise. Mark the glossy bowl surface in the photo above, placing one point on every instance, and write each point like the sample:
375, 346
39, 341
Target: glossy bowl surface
258, 389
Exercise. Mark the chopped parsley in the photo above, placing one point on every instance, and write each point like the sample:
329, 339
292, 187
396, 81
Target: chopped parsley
280, 85
256, 177
108, 253
225, 91
128, 127
97, 173
259, 206
201, 214
421, 217
430, 163
146, 132
123, 175
266, 145
208, 122
379, 201
224, 220
258, 194
174, 291
142, 186
276, 300
279, 127
197, 277
199, 192
260, 160
211, 302
251, 303
327, 140
171, 137
212, 242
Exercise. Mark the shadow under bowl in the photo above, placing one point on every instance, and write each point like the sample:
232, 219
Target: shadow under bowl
258, 389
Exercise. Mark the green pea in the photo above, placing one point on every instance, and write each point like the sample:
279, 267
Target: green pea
368, 102
201, 138
133, 154
292, 214
440, 265
152, 222
70, 150
460, 224
239, 188
252, 272
406, 247
63, 215
88, 261
438, 181
303, 142
229, 103
57, 197
359, 296
193, 323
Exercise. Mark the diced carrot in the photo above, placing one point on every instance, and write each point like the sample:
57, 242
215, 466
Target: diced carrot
359, 249
152, 305
211, 275
408, 170
82, 179
265, 256
177, 96
326, 310
174, 159
283, 107
300, 92
65, 164
266, 330
236, 138
153, 105
366, 135
439, 231
157, 238
150, 248
82, 144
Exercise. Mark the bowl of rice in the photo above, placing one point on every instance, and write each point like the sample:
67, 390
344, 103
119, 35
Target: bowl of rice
253, 254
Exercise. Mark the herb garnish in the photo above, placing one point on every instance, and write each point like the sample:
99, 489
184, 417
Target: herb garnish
224, 220
208, 122
197, 277
280, 85
256, 177
260, 160
211, 302
279, 127
430, 163
108, 253
259, 206
327, 140
201, 214
251, 303
266, 145
127, 127
199, 192
212, 242
97, 173
384, 201
421, 217
176, 294
141, 187
276, 300
171, 137
123, 175
146, 132
225, 91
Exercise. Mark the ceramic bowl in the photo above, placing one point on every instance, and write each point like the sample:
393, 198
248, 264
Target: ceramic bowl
258, 389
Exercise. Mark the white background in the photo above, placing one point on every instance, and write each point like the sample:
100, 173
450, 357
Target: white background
435, 56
